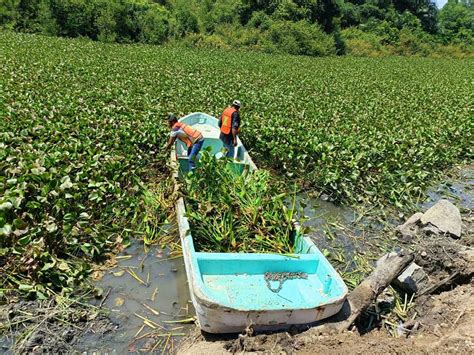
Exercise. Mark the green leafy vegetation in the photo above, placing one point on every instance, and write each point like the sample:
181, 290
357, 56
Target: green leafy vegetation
306, 27
73, 159
81, 125
229, 212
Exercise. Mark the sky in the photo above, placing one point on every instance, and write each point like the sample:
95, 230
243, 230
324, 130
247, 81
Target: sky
440, 3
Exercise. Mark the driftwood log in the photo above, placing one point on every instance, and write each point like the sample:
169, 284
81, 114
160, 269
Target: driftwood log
388, 267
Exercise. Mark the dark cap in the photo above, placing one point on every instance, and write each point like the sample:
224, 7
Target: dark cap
172, 118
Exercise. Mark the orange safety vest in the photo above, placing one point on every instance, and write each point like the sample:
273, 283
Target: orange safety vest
192, 134
226, 125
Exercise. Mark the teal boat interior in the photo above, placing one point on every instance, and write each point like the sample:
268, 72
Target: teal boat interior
237, 280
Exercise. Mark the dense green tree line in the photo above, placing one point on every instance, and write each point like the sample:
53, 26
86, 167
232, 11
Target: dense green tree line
310, 27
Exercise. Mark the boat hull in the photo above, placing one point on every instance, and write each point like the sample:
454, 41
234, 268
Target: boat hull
214, 319
229, 291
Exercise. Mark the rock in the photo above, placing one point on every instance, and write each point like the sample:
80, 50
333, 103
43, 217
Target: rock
424, 254
412, 279
412, 220
409, 229
430, 229
444, 216
386, 297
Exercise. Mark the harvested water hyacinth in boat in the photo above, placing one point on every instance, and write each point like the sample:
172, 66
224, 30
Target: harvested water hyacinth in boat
231, 212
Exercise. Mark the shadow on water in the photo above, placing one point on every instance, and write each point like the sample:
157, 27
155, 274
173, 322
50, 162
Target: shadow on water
163, 289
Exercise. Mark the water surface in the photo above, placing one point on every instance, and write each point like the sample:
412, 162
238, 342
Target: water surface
163, 288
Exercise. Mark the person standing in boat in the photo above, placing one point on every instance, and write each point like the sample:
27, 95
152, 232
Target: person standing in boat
229, 123
188, 135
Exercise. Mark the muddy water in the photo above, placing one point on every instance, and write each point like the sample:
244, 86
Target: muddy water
340, 233
165, 292
319, 212
459, 191
329, 225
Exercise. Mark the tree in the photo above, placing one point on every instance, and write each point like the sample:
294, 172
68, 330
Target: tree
106, 14
154, 24
425, 10
301, 38
289, 10
325, 13
457, 21
9, 13
46, 23
186, 17
350, 15
75, 17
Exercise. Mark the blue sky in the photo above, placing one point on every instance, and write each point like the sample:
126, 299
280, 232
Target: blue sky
440, 3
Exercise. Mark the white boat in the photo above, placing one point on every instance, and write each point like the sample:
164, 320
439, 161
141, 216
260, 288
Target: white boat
232, 291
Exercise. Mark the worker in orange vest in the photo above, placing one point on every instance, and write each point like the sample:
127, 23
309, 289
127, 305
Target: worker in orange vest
188, 135
229, 123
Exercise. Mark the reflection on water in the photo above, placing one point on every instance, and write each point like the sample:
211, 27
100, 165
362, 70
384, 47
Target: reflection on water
5, 345
163, 288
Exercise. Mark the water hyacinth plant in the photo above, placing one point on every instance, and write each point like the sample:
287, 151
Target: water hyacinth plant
81, 126
231, 212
